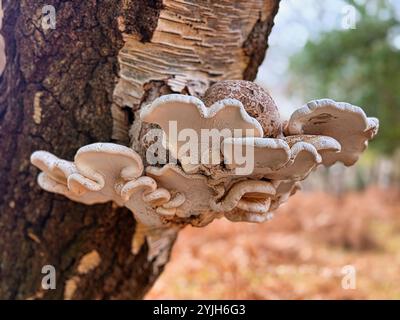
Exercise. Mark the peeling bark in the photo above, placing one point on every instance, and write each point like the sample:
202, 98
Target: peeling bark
61, 89
194, 44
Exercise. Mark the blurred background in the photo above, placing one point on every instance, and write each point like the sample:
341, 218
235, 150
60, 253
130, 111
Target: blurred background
338, 238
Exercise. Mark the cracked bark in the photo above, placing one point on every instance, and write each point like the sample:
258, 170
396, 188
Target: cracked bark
60, 90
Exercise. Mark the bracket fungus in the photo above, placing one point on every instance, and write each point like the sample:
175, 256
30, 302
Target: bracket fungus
253, 164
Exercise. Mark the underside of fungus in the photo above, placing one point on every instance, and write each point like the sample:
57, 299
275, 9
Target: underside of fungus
229, 154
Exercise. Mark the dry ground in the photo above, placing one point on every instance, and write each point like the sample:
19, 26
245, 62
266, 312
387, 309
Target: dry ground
298, 255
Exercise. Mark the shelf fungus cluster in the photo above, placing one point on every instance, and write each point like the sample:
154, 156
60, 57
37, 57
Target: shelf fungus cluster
227, 154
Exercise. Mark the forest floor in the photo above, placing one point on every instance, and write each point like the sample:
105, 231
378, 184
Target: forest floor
300, 254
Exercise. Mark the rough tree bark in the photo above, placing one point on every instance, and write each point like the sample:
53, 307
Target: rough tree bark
82, 83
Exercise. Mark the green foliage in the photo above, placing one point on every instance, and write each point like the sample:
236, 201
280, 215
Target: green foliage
359, 66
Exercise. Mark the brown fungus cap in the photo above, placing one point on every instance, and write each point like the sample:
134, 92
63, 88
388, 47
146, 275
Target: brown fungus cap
257, 102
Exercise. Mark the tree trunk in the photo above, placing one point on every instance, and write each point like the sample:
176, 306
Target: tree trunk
83, 82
